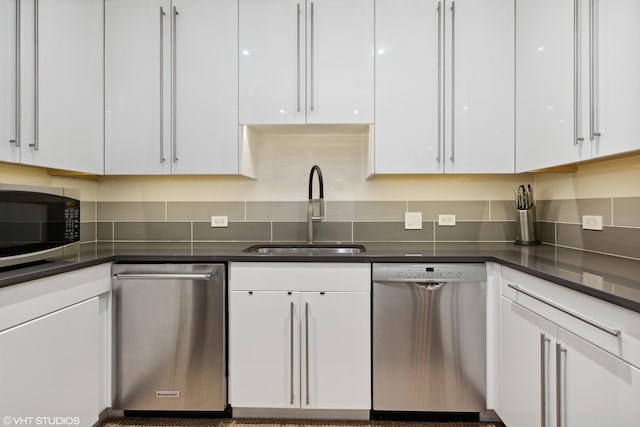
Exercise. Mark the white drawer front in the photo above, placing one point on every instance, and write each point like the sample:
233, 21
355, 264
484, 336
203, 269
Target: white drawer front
614, 329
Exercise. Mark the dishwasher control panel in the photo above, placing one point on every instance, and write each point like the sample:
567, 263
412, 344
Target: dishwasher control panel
454, 272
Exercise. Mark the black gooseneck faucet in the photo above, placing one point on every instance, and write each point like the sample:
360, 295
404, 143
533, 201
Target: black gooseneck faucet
310, 217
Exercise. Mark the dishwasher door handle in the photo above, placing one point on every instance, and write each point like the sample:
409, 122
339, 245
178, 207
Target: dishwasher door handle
164, 276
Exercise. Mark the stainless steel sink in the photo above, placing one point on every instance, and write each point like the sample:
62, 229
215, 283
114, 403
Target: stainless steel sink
305, 249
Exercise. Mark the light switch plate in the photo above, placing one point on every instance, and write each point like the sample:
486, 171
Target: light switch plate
447, 220
591, 222
413, 220
219, 221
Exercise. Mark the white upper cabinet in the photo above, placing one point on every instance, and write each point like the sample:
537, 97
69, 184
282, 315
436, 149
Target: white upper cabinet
171, 87
306, 61
444, 86
408, 87
51, 107
614, 76
547, 128
577, 68
479, 134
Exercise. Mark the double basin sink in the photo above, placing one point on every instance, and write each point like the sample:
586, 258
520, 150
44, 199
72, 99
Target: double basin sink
305, 249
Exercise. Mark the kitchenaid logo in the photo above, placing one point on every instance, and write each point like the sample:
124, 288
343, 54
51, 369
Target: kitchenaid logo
41, 421
168, 394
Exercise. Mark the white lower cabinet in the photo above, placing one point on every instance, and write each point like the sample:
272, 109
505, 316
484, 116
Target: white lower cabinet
551, 377
50, 367
298, 348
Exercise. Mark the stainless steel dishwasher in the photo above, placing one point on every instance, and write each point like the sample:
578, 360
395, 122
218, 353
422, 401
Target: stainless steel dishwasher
429, 337
170, 337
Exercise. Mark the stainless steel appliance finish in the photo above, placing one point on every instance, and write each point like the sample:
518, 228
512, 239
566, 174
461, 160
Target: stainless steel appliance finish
429, 332
170, 337
37, 223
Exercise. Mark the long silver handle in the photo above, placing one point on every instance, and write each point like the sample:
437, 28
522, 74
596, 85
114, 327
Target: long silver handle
592, 73
543, 379
298, 56
164, 276
559, 412
173, 93
16, 139
581, 317
313, 62
439, 141
36, 95
576, 75
291, 373
162, 14
306, 333
453, 81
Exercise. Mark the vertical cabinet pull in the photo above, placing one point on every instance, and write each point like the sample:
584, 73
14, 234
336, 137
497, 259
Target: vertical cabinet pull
291, 373
16, 139
173, 90
592, 72
312, 34
576, 75
543, 379
439, 141
559, 411
298, 56
36, 20
306, 345
453, 81
162, 14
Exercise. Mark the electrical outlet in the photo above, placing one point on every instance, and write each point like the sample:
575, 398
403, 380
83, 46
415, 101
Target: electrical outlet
413, 220
219, 221
447, 220
591, 222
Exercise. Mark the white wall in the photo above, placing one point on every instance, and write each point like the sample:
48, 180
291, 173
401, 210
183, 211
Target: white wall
25, 175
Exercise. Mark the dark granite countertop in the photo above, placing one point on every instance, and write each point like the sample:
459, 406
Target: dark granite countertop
619, 284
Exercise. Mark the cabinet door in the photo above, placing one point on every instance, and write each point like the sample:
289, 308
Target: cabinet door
408, 102
616, 70
137, 87
8, 83
50, 366
272, 61
205, 133
340, 61
547, 125
597, 388
68, 85
480, 101
524, 354
336, 350
264, 349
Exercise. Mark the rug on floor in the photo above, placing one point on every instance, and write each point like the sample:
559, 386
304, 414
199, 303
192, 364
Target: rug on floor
204, 422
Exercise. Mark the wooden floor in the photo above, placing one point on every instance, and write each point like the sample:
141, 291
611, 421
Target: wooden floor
183, 422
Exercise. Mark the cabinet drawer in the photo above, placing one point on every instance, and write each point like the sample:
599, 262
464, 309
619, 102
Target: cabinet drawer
299, 276
614, 329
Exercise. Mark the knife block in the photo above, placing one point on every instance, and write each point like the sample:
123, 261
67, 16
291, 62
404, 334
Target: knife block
526, 229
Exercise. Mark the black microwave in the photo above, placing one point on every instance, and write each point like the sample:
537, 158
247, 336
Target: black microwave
37, 223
